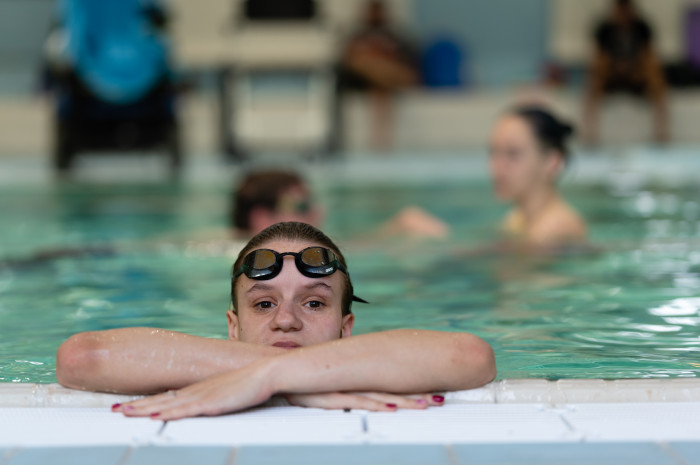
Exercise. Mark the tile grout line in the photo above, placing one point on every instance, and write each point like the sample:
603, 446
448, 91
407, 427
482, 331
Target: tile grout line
7, 456
674, 455
451, 456
233, 455
127, 456
566, 422
161, 430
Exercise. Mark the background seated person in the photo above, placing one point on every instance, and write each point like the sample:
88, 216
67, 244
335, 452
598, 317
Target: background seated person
624, 60
379, 60
290, 333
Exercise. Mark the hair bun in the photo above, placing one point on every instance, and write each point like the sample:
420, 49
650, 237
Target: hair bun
549, 130
566, 129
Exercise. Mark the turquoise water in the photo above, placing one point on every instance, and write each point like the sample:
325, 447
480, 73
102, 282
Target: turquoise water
631, 310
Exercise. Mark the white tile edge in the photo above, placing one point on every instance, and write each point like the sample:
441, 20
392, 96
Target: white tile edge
506, 391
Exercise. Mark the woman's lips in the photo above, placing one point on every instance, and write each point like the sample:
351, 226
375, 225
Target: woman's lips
286, 344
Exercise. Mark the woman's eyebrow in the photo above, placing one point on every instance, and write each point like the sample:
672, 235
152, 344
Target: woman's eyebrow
317, 285
259, 287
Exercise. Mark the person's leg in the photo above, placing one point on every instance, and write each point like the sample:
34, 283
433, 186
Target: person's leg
595, 88
382, 71
382, 108
656, 92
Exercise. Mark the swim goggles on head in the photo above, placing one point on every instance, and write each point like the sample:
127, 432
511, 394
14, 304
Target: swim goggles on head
313, 262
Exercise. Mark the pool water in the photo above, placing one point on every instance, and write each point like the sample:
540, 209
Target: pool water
629, 310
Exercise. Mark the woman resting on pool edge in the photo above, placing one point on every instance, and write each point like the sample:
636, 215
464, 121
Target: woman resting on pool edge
528, 151
289, 334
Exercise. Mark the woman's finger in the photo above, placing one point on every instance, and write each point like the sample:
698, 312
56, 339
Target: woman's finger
414, 401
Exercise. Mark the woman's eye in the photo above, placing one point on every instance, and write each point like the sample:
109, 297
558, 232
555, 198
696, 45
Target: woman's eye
316, 304
264, 305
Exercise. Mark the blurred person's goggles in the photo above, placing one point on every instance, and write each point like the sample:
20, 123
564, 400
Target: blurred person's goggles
312, 262
289, 205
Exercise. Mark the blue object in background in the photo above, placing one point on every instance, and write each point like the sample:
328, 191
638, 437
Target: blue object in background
443, 64
113, 48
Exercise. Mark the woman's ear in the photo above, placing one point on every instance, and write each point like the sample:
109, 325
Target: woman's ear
555, 164
348, 323
233, 327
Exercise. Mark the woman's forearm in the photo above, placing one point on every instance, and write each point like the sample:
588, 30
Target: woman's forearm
401, 361
147, 360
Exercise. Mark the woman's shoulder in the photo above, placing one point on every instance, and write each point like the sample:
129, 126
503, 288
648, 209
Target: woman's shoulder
560, 223
513, 223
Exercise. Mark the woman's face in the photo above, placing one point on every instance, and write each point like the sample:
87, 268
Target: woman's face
519, 165
289, 310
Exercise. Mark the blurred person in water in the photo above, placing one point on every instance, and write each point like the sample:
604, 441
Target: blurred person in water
267, 197
528, 151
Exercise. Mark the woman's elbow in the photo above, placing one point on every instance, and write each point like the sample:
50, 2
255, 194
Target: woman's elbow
478, 362
77, 359
486, 359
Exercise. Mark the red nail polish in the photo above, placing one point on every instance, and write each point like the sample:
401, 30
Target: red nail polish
439, 399
155, 415
116, 406
391, 405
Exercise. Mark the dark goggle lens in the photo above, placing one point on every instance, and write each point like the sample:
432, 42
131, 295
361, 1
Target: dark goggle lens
317, 256
261, 259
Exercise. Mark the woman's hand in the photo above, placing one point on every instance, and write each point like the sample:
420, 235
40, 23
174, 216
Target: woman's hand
248, 387
229, 392
373, 401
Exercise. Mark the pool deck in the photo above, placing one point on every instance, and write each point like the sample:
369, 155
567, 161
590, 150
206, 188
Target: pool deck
638, 422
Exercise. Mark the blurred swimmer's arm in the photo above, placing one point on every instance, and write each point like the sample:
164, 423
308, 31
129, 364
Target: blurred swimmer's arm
399, 362
148, 360
414, 222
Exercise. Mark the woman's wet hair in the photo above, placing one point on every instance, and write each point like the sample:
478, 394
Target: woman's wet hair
551, 132
295, 232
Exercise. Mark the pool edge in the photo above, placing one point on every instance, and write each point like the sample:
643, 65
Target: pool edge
500, 392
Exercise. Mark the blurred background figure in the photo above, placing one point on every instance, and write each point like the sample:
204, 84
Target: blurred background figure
529, 150
625, 60
113, 82
380, 60
264, 198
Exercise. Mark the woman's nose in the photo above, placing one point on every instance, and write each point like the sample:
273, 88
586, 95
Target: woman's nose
286, 318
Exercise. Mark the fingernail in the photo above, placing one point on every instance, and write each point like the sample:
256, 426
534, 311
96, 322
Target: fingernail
421, 401
391, 405
155, 415
439, 399
116, 406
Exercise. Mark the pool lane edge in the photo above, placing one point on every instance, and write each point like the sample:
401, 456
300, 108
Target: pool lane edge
500, 392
